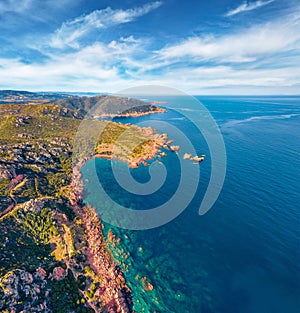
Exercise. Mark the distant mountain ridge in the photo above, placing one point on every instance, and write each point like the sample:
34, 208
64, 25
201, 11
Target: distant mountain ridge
23, 97
105, 104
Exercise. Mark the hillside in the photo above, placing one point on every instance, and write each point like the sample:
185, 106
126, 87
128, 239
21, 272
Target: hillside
23, 97
109, 105
106, 105
53, 257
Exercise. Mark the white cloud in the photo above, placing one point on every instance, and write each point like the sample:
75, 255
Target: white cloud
239, 47
72, 31
93, 69
55, 75
15, 6
130, 39
23, 7
248, 6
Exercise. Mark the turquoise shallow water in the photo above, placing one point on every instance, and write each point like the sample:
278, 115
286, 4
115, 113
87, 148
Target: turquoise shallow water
243, 255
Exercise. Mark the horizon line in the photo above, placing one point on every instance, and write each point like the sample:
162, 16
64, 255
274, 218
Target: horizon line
192, 94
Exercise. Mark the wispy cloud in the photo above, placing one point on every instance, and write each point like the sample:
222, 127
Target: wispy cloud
30, 6
242, 46
14, 6
248, 6
72, 31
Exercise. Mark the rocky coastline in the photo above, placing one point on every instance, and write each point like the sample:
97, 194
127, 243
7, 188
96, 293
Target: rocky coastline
114, 293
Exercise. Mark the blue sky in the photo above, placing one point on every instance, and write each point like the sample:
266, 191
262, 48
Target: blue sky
200, 47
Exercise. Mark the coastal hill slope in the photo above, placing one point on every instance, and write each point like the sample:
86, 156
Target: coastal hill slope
109, 105
53, 255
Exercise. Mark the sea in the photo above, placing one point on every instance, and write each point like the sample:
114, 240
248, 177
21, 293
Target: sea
243, 255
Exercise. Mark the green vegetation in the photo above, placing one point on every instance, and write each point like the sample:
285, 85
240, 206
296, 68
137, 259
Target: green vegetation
19, 248
41, 226
141, 148
4, 182
65, 297
37, 138
125, 141
22, 122
31, 237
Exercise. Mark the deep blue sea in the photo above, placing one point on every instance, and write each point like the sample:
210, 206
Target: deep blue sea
243, 255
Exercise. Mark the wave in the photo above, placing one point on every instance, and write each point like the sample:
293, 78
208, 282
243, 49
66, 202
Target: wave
259, 118
187, 109
176, 118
